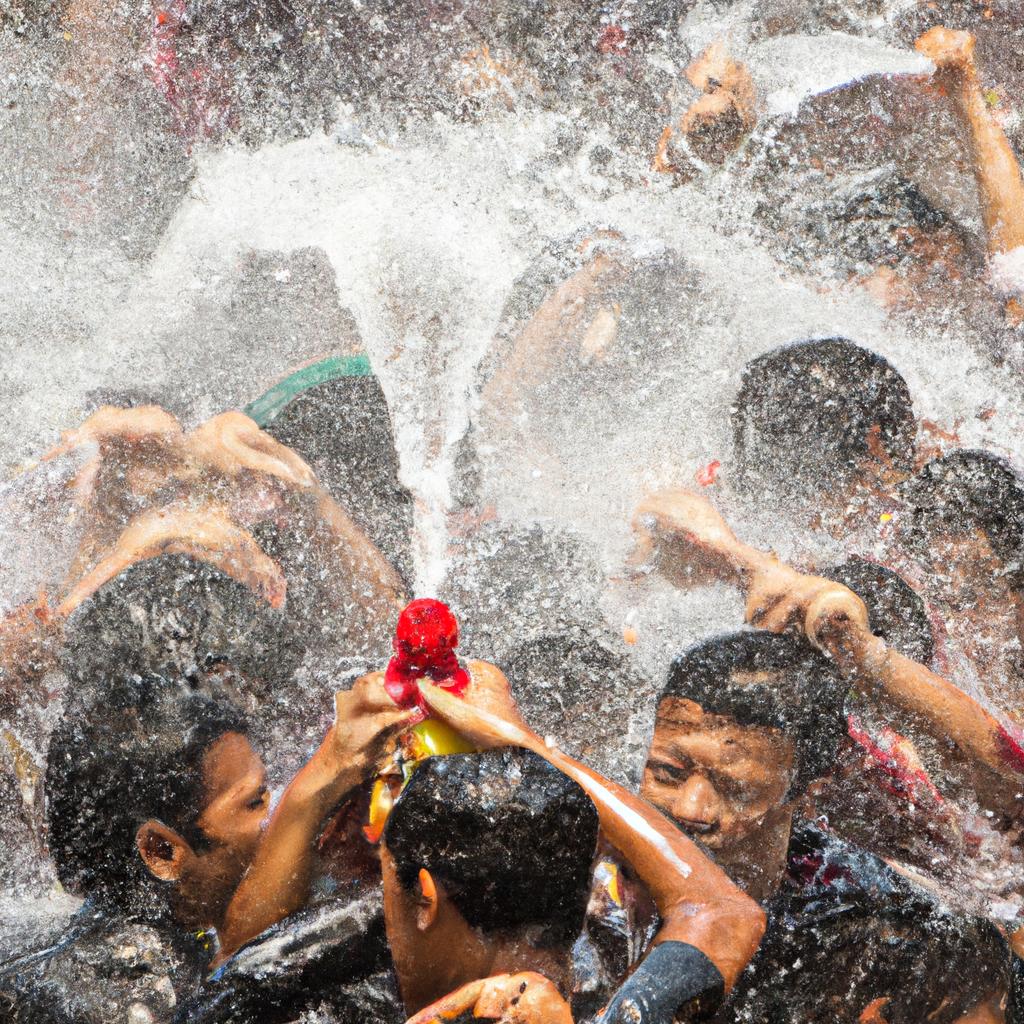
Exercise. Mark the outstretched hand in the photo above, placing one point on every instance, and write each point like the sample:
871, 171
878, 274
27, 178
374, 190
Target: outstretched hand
700, 538
778, 597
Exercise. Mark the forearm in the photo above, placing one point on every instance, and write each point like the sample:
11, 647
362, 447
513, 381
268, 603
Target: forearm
697, 902
995, 165
278, 882
944, 710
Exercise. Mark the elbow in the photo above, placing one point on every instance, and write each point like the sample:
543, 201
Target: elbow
728, 930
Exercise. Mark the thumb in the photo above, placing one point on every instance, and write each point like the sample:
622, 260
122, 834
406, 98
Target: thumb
468, 719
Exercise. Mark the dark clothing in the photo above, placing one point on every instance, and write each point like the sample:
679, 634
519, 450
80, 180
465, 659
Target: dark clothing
104, 970
846, 930
334, 959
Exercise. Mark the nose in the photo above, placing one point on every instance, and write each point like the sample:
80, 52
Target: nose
697, 801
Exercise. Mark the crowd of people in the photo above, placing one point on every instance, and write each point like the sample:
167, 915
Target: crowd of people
489, 873
813, 775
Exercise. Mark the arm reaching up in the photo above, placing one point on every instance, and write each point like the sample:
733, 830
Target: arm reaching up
699, 906
835, 620
277, 883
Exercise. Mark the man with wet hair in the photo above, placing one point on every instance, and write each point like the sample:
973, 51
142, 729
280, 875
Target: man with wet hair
835, 620
822, 418
714, 692
485, 856
157, 806
486, 863
154, 800
968, 506
747, 724
177, 616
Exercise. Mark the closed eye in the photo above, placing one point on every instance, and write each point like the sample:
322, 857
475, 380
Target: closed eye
669, 772
258, 801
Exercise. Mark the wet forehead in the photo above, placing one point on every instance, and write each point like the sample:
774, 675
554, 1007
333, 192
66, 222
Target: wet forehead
684, 732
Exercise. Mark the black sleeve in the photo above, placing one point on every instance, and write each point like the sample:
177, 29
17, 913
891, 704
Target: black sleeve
315, 956
675, 980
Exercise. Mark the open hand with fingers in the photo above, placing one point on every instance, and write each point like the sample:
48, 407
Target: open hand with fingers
366, 722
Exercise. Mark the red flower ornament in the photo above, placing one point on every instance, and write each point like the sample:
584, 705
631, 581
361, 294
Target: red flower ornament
424, 645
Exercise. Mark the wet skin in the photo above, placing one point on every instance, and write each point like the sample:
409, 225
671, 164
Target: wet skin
726, 785
435, 951
235, 805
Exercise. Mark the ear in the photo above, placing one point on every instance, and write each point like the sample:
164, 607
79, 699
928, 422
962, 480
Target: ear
162, 850
427, 903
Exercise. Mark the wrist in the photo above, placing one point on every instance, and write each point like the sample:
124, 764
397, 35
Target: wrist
752, 563
675, 981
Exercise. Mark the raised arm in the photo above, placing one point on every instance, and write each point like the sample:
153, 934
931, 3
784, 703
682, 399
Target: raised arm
277, 884
698, 904
835, 620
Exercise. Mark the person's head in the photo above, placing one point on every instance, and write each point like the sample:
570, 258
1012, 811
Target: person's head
342, 428
964, 515
565, 682
745, 723
822, 418
155, 801
484, 852
179, 617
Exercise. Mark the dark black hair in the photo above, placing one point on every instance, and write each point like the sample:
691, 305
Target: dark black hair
803, 694
896, 612
509, 836
179, 617
342, 428
964, 491
804, 413
576, 687
132, 754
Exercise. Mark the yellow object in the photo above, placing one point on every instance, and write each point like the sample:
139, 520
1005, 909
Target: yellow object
434, 737
885, 517
428, 739
607, 874
381, 802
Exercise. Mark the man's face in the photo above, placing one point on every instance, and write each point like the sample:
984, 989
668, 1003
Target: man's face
235, 803
717, 779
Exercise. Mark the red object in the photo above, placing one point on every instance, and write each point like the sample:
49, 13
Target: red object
897, 760
1011, 747
425, 642
613, 40
707, 475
